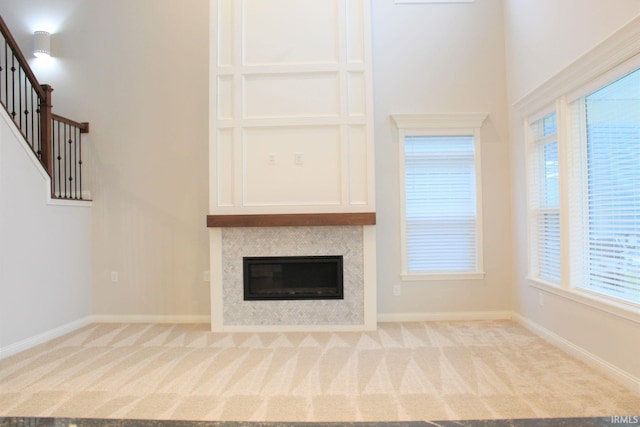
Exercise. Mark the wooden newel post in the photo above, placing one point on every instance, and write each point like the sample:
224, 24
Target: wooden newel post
46, 131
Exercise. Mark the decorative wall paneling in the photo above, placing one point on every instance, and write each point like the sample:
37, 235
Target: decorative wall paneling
291, 107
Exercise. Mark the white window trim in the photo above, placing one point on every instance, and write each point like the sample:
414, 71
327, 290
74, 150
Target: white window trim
612, 58
439, 124
530, 150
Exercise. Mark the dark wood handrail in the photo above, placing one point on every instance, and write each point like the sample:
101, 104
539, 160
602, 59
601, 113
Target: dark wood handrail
84, 126
21, 59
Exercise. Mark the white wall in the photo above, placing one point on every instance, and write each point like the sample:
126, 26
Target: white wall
571, 28
149, 131
45, 261
138, 72
121, 65
441, 58
545, 36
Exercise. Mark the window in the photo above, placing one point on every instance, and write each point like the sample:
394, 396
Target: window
440, 181
606, 146
544, 199
583, 181
599, 245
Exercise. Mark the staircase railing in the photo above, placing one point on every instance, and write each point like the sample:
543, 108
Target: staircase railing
55, 141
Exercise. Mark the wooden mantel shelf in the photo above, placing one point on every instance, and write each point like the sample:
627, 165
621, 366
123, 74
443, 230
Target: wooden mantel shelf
292, 220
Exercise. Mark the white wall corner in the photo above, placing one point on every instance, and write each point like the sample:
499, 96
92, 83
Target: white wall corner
215, 282
613, 372
43, 337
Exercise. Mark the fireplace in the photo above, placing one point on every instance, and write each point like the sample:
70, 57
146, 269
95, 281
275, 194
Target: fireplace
292, 278
354, 244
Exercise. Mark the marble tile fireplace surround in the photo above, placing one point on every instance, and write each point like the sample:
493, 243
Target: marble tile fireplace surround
231, 241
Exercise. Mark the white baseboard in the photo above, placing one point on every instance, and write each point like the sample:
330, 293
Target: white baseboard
616, 374
144, 318
43, 337
444, 316
294, 328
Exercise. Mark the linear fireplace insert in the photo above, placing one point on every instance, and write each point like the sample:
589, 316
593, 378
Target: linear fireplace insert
292, 278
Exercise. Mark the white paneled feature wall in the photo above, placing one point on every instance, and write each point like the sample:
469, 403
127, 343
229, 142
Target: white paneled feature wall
291, 107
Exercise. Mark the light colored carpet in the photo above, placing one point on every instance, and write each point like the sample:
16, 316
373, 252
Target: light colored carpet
404, 371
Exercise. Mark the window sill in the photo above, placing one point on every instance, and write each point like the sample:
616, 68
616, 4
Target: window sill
627, 311
443, 276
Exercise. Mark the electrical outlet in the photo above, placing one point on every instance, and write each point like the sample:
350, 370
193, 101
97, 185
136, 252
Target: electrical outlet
271, 158
299, 159
396, 290
206, 276
114, 276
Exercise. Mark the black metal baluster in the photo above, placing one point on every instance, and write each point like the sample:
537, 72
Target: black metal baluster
20, 98
13, 86
6, 74
65, 160
53, 164
26, 114
59, 165
68, 170
75, 151
71, 162
61, 147
33, 129
40, 136
1, 70
63, 182
80, 162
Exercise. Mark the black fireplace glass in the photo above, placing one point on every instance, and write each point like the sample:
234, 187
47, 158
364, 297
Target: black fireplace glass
292, 278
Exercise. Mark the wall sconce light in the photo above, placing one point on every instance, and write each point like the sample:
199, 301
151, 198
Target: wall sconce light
41, 44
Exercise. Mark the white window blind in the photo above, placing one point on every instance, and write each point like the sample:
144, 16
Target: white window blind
607, 124
440, 204
545, 199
